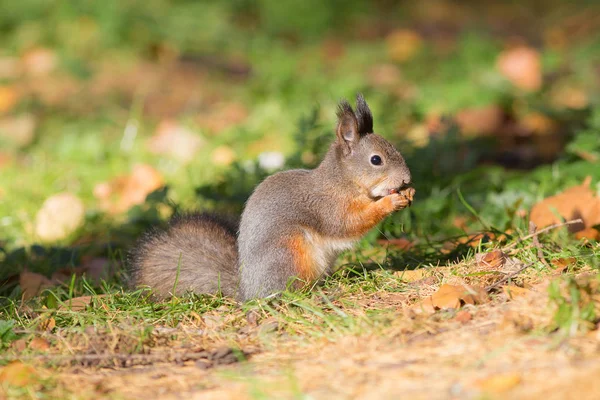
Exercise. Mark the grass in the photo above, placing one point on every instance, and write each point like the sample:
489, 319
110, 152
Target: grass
259, 78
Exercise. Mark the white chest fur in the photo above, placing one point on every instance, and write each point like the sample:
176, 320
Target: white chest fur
325, 250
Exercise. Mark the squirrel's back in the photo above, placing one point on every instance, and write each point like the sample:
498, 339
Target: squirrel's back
196, 253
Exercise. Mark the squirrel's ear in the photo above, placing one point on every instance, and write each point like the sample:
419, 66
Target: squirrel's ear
347, 127
363, 116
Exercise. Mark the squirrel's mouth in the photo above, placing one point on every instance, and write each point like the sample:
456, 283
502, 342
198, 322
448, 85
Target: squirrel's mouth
406, 189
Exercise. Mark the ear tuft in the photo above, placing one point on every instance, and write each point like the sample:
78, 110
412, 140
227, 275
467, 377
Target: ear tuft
344, 109
363, 116
347, 127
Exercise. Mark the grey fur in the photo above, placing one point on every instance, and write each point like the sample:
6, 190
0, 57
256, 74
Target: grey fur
201, 247
311, 204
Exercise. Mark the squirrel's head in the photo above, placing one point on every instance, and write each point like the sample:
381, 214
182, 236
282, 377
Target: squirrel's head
373, 162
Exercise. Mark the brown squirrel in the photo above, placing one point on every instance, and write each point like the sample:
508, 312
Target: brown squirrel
294, 224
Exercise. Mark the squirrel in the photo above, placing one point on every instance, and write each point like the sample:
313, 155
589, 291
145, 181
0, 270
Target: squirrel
293, 226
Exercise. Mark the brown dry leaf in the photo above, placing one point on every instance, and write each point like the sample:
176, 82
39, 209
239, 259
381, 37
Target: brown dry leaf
564, 96
332, 49
538, 124
480, 121
403, 44
175, 140
39, 344
451, 296
32, 284
522, 67
499, 383
5, 159
562, 264
123, 192
411, 275
47, 323
223, 156
223, 116
384, 75
60, 216
400, 243
588, 233
79, 303
18, 374
512, 292
575, 202
8, 98
493, 260
39, 61
424, 307
19, 130
463, 316
19, 345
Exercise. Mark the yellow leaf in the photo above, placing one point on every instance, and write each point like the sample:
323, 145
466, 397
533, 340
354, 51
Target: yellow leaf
499, 383
18, 374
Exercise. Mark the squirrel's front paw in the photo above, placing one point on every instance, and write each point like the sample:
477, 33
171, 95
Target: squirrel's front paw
400, 201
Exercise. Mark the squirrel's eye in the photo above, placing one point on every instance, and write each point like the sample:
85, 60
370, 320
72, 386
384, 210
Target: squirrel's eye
375, 160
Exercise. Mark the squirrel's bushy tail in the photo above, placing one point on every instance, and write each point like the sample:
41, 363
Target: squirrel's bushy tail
197, 253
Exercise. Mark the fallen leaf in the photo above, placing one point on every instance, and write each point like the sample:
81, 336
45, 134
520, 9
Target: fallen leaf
411, 275
538, 124
564, 96
512, 292
463, 316
33, 284
123, 192
79, 303
400, 243
332, 49
447, 296
47, 323
8, 98
499, 383
451, 296
384, 75
480, 121
94, 269
5, 159
19, 345
10, 67
492, 260
222, 116
18, 374
403, 44
588, 233
575, 202
175, 140
271, 160
19, 130
39, 344
39, 61
522, 67
424, 307
60, 216
223, 156
562, 264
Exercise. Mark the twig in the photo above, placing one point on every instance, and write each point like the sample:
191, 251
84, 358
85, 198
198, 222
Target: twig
536, 242
507, 278
546, 229
122, 359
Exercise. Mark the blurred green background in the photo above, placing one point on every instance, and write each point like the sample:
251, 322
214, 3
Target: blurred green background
495, 102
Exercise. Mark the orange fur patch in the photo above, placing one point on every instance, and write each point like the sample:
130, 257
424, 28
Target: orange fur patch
304, 262
364, 214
